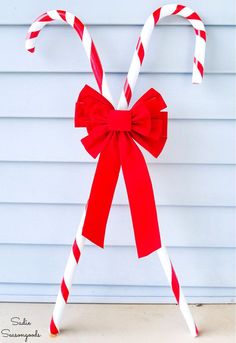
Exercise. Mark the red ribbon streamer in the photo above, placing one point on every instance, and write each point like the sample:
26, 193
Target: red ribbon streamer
112, 134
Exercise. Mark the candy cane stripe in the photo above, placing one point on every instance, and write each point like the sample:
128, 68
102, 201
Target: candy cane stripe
79, 26
96, 66
76, 251
127, 91
140, 51
179, 8
156, 15
64, 290
201, 34
46, 18
175, 284
199, 67
62, 14
53, 328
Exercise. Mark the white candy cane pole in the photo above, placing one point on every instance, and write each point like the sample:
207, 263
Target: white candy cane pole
198, 69
99, 74
143, 41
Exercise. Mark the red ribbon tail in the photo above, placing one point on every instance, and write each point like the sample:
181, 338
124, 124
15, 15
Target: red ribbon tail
102, 192
141, 197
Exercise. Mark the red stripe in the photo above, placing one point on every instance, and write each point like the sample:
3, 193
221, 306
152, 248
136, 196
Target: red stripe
33, 34
44, 17
62, 14
53, 328
79, 27
128, 92
76, 251
96, 66
140, 50
31, 50
156, 15
199, 66
178, 9
201, 33
175, 284
64, 290
196, 329
194, 16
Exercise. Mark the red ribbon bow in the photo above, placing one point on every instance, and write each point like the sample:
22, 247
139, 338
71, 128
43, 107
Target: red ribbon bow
112, 133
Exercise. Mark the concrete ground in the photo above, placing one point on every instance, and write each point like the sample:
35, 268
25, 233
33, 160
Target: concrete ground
95, 323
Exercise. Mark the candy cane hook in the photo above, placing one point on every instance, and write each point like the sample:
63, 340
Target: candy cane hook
85, 37
99, 74
143, 41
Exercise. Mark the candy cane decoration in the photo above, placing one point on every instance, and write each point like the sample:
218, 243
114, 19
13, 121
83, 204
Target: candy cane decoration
124, 101
85, 37
143, 41
99, 74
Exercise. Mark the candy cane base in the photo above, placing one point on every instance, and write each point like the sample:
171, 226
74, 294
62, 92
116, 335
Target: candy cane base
176, 288
66, 283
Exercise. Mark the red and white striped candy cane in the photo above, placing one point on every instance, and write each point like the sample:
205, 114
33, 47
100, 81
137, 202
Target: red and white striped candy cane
85, 37
143, 41
198, 69
99, 74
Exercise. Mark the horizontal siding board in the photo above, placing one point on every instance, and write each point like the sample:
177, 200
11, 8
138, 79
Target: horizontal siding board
117, 299
70, 183
119, 12
113, 266
109, 294
56, 224
54, 94
113, 290
169, 41
189, 141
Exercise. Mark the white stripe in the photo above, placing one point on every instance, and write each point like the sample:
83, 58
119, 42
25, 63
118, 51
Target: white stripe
165, 261
197, 77
30, 43
133, 71
197, 24
105, 89
54, 15
167, 10
58, 310
70, 269
37, 26
70, 18
147, 31
199, 52
79, 238
187, 314
87, 42
122, 105
185, 12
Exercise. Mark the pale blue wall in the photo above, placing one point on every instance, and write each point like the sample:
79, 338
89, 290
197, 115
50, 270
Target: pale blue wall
45, 174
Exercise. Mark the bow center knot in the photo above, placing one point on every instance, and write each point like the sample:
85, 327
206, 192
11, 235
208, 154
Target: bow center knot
119, 120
